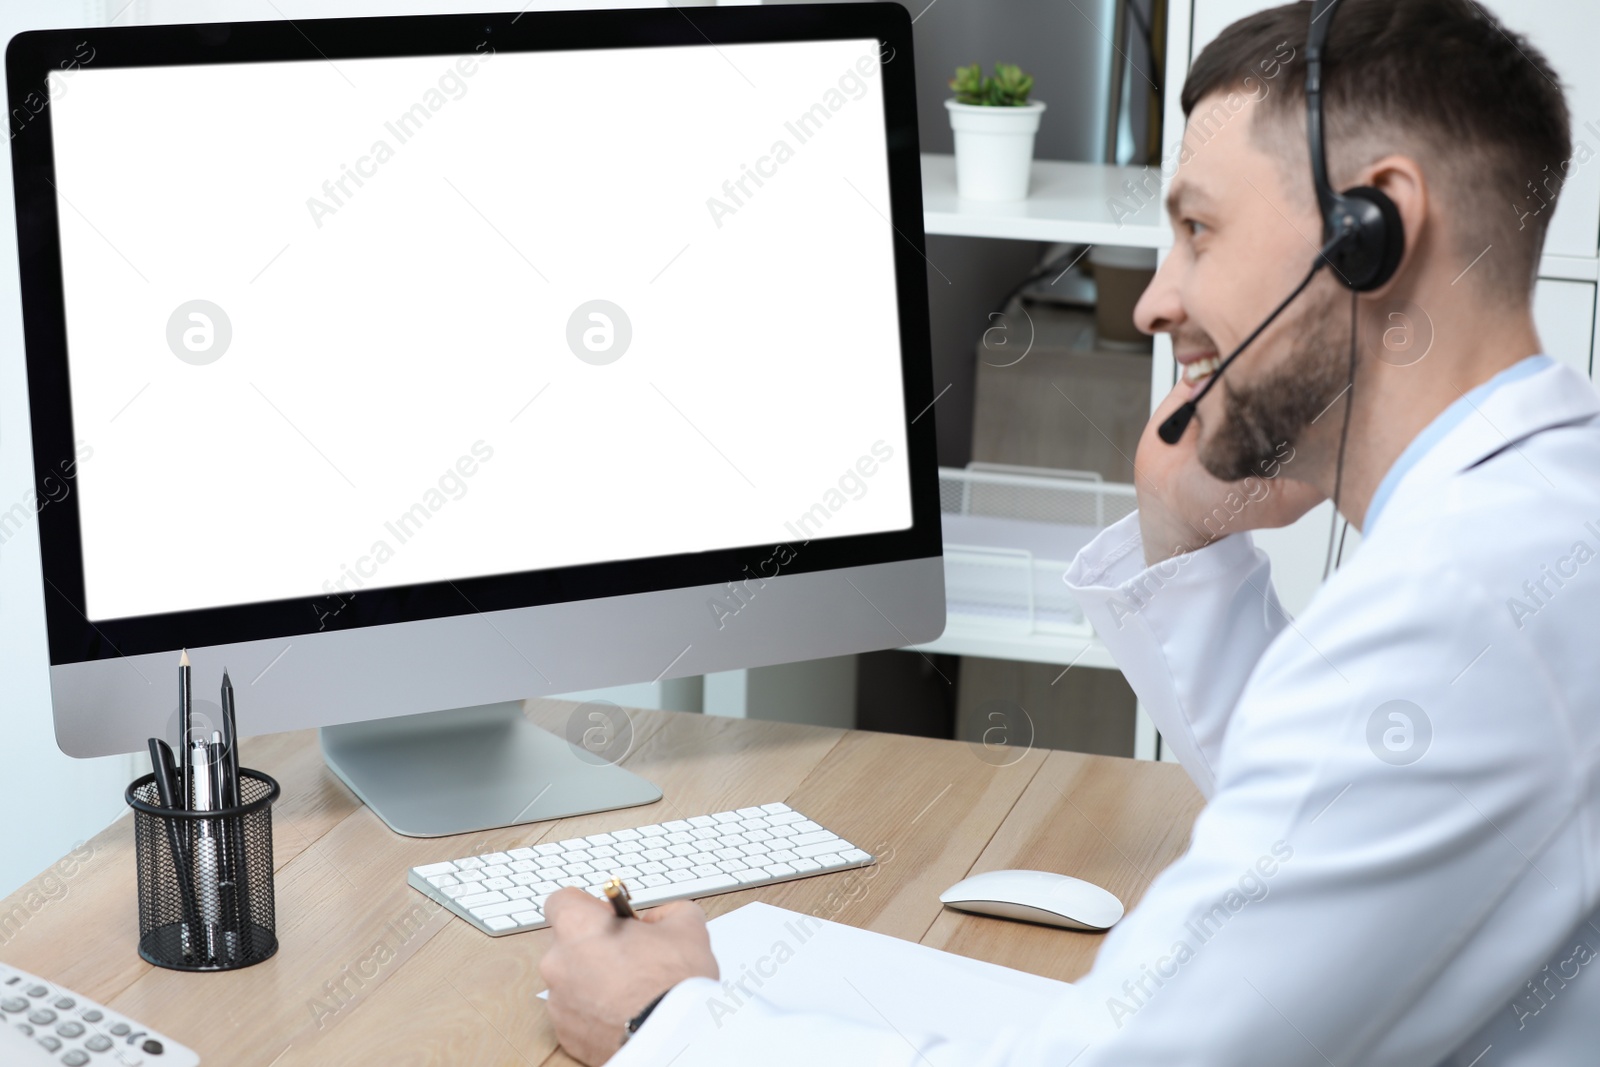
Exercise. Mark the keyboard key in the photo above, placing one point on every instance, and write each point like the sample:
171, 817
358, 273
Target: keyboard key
813, 837
705, 870
577, 855
522, 892
572, 882
683, 890
495, 857
527, 918
775, 809
775, 870
490, 911
677, 863
750, 874
786, 817
439, 881
625, 835
682, 875
496, 870
599, 839
456, 892
497, 883
652, 867
677, 825
701, 821
829, 861
477, 899
654, 880
831, 845
805, 826
471, 863
805, 866
726, 816
521, 853
781, 855
431, 869
500, 922
523, 866
855, 855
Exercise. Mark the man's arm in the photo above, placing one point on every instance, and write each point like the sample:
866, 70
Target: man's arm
1338, 904
1187, 632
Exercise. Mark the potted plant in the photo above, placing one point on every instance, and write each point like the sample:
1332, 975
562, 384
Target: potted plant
994, 124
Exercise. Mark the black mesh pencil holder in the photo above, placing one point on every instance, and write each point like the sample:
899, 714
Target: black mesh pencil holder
205, 878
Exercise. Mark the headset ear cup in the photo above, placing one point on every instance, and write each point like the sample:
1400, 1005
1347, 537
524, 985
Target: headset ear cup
1376, 252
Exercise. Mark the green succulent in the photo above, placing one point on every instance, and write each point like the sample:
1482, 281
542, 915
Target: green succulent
1008, 88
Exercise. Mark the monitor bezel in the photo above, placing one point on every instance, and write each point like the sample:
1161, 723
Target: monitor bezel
33, 56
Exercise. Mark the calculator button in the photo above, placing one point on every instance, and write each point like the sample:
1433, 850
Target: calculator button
70, 1028
97, 1043
42, 1017
93, 1015
51, 1044
153, 1047
66, 1003
76, 1058
13, 1004
37, 991
120, 1029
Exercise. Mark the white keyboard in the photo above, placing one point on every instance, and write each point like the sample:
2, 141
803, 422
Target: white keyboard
43, 1024
504, 892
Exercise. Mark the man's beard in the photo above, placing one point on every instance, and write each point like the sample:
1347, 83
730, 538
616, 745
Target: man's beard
1262, 416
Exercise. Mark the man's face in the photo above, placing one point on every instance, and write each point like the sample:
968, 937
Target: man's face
1246, 233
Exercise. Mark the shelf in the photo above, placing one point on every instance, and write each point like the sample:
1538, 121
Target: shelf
963, 637
1074, 202
1570, 268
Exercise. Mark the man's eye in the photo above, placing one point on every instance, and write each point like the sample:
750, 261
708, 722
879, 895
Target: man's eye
1195, 228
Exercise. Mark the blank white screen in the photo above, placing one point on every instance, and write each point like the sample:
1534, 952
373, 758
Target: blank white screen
399, 346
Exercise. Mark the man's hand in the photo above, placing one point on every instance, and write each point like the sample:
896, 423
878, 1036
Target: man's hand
1182, 507
603, 970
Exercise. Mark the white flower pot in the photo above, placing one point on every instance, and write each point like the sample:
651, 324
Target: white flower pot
994, 149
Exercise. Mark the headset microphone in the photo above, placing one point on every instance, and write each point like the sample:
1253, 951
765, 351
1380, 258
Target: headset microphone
1172, 429
1362, 227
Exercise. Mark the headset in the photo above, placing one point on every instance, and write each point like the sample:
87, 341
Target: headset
1363, 237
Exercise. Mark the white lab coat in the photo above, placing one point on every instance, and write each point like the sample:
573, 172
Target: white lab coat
1335, 906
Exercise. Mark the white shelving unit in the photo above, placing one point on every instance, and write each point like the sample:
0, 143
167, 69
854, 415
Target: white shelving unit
1088, 203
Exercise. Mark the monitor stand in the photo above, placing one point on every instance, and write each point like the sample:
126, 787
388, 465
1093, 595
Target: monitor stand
469, 769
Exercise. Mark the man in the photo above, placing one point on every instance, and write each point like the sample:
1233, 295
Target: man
1396, 864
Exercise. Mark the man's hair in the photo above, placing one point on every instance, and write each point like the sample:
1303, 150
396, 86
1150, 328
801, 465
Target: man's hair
1440, 81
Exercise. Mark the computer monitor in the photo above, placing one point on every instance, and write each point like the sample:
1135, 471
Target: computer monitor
411, 367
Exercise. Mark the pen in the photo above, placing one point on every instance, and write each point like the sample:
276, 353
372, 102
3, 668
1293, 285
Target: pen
233, 829
185, 721
161, 764
230, 744
207, 892
617, 893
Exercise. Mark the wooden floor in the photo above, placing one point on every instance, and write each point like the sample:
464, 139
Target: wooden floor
369, 971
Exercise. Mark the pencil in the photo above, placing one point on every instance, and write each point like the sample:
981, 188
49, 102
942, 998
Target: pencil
185, 717
617, 893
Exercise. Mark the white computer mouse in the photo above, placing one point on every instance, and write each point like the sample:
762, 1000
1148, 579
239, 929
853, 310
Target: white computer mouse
1036, 896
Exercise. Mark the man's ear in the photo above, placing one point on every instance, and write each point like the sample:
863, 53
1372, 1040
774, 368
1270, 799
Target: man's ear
1402, 180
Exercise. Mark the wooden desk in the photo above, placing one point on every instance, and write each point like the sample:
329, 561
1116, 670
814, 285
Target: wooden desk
369, 971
